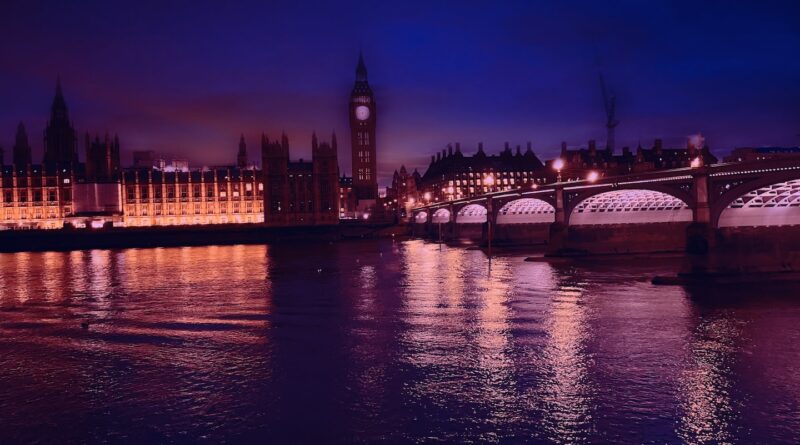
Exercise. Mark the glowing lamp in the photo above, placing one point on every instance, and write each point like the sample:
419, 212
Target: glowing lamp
427, 196
697, 162
488, 180
593, 176
366, 216
450, 190
558, 164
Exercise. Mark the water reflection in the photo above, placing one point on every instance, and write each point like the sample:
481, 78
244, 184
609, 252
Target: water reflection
381, 341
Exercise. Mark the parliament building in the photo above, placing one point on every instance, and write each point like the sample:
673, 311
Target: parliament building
62, 192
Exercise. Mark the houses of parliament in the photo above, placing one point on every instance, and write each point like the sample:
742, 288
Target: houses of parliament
63, 192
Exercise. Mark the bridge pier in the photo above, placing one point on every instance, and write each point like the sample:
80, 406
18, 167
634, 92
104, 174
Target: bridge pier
558, 244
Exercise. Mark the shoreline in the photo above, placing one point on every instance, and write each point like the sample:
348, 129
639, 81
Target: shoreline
178, 236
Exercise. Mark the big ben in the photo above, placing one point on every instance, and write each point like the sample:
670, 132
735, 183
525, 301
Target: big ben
362, 136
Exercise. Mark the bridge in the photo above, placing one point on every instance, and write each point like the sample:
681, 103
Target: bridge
693, 209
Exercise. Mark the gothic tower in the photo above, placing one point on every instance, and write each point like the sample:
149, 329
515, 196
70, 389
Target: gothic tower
275, 168
241, 157
326, 181
362, 134
22, 149
60, 142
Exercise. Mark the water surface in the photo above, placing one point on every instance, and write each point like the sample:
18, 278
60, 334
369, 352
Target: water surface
386, 341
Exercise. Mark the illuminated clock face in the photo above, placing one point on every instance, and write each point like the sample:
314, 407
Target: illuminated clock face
362, 112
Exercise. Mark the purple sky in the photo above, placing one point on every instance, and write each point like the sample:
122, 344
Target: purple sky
186, 78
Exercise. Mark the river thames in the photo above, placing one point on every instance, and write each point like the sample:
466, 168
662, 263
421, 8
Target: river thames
383, 341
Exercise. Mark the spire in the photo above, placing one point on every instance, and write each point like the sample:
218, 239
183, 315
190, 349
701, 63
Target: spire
333, 140
361, 68
241, 157
284, 140
59, 108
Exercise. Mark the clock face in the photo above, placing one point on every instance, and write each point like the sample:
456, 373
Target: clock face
362, 112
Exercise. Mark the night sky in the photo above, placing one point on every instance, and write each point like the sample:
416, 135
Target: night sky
187, 79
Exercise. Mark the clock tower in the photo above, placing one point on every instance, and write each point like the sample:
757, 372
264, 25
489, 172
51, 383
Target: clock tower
362, 136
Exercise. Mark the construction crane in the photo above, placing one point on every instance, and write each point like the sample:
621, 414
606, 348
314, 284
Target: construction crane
609, 102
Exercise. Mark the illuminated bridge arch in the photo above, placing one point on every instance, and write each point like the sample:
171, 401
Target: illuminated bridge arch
441, 216
472, 214
635, 206
526, 211
771, 205
421, 217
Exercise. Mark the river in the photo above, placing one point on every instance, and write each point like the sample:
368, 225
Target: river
383, 341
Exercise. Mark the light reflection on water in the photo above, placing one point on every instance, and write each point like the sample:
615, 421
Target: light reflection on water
382, 341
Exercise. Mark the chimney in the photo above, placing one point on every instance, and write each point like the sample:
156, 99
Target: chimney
438, 156
563, 148
659, 146
530, 146
480, 147
433, 159
519, 150
592, 147
449, 150
506, 148
458, 147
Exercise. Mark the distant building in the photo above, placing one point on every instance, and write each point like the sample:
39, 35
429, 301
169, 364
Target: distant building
745, 154
60, 141
241, 156
300, 192
578, 162
451, 175
404, 191
217, 196
102, 159
363, 118
22, 149
347, 198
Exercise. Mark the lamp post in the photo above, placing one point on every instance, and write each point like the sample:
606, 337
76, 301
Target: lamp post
558, 165
488, 180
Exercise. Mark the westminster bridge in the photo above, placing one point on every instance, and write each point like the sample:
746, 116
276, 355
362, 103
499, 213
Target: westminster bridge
748, 212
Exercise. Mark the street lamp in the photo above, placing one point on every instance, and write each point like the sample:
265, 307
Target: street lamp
427, 196
558, 165
488, 180
593, 176
697, 162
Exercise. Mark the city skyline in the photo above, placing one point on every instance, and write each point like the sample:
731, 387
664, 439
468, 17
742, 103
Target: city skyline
181, 91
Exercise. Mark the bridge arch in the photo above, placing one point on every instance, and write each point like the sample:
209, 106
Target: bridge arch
764, 204
630, 206
441, 216
421, 217
472, 214
526, 211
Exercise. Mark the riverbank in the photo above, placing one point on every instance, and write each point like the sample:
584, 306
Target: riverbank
173, 236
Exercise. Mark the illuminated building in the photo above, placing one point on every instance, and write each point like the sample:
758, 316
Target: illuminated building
204, 196
347, 198
451, 175
745, 154
578, 162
